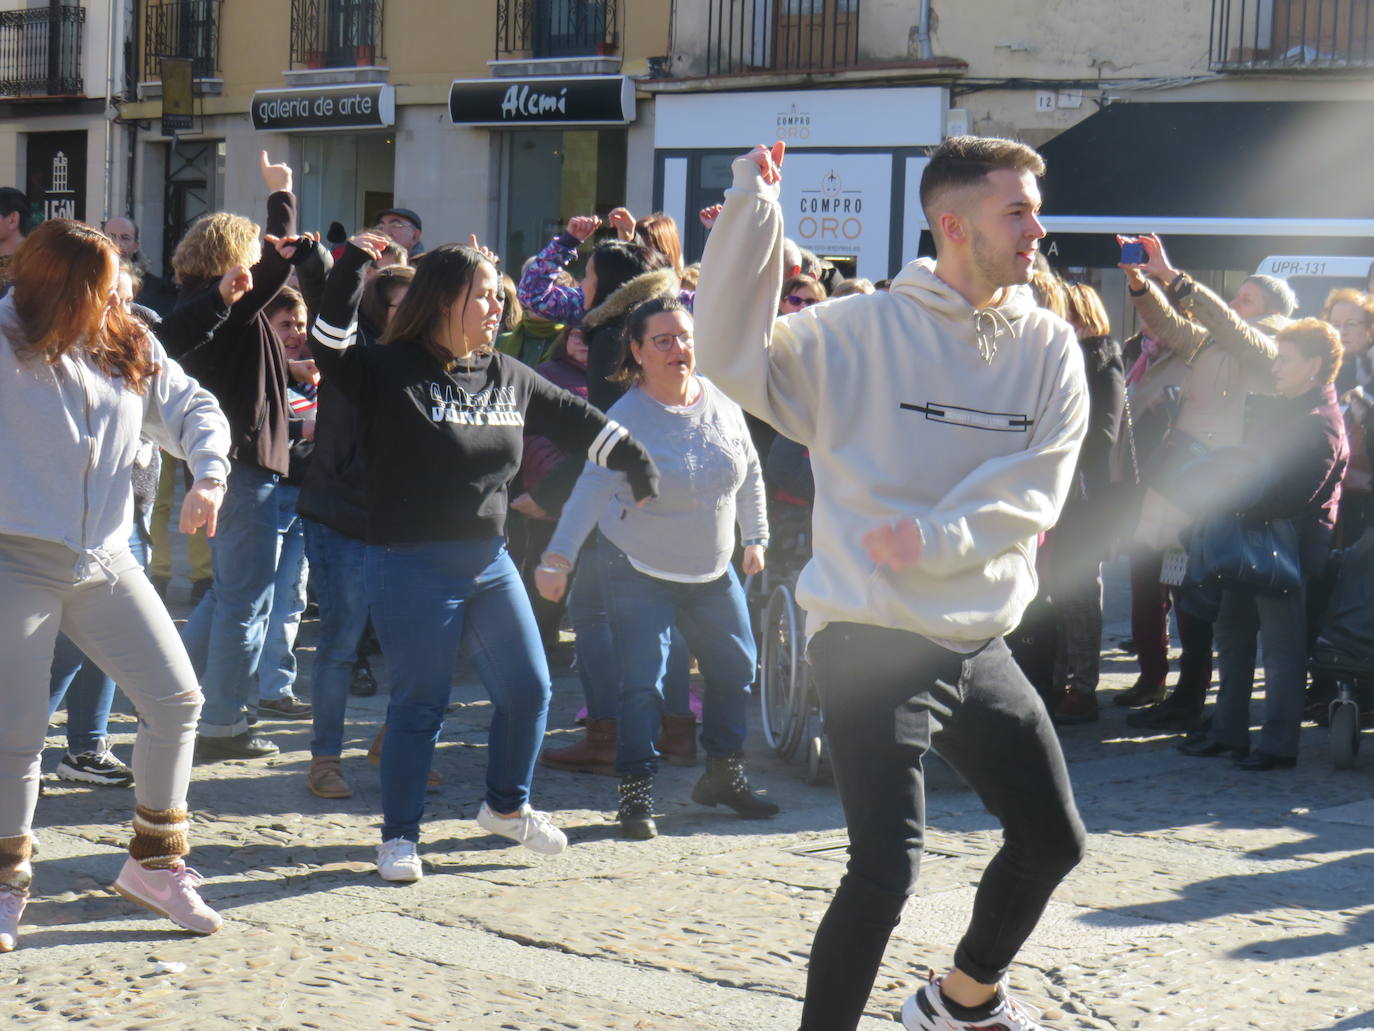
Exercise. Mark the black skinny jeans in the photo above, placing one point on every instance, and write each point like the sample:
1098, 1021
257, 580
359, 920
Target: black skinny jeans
888, 697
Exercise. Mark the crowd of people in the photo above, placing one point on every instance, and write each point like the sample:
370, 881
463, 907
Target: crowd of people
457, 460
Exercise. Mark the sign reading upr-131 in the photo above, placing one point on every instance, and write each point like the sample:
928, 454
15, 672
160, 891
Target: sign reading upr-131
516, 103
364, 106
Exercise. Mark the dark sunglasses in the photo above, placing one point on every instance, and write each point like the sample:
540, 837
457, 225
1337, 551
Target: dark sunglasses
798, 301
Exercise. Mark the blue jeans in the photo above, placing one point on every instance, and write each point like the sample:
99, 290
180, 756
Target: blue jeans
598, 665
225, 634
714, 623
336, 564
427, 599
277, 667
88, 692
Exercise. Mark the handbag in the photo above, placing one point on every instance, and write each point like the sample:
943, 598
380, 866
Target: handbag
1245, 551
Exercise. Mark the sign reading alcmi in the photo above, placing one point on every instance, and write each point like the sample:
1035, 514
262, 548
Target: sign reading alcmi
521, 103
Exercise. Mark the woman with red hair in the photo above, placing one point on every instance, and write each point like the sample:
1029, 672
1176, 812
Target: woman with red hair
80, 380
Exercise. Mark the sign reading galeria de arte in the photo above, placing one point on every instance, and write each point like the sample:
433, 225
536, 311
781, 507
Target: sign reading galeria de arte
361, 106
519, 103
840, 205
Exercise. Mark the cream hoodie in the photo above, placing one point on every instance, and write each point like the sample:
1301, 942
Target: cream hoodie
914, 406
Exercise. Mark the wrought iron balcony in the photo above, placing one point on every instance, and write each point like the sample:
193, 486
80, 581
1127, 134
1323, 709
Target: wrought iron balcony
40, 51
1270, 35
781, 36
182, 28
336, 33
556, 28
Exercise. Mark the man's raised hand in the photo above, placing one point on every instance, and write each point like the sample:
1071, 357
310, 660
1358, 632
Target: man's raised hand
234, 284
277, 177
769, 161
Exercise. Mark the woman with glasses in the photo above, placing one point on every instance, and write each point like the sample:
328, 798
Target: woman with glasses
800, 293
666, 563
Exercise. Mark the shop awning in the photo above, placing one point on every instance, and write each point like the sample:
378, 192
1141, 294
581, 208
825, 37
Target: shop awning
1227, 184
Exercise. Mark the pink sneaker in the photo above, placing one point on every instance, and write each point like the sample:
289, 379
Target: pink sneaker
171, 893
11, 909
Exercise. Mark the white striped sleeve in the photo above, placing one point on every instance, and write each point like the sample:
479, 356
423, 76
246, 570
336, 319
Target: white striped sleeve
611, 435
332, 336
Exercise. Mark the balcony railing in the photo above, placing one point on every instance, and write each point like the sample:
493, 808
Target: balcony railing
40, 51
556, 28
1268, 35
336, 33
182, 28
781, 36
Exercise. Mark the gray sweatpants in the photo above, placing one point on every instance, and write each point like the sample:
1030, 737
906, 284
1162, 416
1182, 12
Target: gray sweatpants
124, 628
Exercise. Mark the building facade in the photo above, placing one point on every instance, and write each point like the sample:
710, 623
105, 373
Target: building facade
1233, 126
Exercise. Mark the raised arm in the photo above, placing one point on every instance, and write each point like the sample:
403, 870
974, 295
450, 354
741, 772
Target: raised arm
538, 289
771, 367
1171, 329
334, 331
1228, 330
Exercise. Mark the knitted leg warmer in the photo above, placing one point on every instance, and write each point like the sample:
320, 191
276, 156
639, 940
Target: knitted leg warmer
15, 869
159, 839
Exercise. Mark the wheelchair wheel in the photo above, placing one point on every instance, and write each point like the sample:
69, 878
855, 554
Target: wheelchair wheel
778, 678
1345, 734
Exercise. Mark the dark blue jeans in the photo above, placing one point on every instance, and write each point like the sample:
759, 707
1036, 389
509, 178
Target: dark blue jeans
714, 624
888, 697
427, 600
88, 692
225, 633
336, 567
598, 665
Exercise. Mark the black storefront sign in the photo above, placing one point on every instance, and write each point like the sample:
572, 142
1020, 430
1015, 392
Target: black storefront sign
55, 179
519, 103
365, 106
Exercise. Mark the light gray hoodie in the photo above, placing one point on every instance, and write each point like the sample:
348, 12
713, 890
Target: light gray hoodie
914, 406
71, 433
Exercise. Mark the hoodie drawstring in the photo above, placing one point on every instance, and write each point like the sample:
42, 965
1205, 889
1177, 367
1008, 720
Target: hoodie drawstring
987, 342
87, 562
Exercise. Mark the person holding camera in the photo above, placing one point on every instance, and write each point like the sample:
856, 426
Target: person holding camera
1227, 350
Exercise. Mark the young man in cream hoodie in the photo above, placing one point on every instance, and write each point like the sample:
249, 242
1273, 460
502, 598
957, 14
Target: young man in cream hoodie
944, 420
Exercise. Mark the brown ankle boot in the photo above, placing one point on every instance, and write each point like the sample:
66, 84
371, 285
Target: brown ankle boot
677, 742
593, 754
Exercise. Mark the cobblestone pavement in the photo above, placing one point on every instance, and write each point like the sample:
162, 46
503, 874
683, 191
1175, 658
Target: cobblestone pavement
1211, 899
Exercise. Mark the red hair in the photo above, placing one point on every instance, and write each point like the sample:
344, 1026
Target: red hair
64, 274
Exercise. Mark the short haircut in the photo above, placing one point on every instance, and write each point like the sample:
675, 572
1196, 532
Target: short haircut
792, 255
12, 200
1086, 312
963, 161
803, 280
1315, 339
845, 287
1278, 295
286, 297
1349, 295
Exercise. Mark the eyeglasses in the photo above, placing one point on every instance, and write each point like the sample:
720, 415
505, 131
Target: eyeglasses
798, 301
1352, 324
665, 341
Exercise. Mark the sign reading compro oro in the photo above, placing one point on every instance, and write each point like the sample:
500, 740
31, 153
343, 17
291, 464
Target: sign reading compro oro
840, 205
363, 106
516, 103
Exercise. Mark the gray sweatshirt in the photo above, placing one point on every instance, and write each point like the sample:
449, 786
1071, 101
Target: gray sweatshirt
709, 477
72, 433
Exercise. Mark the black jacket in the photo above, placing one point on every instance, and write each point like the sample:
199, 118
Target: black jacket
442, 441
235, 354
335, 491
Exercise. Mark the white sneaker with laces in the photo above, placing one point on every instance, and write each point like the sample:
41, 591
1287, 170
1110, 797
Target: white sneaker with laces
399, 860
926, 1011
531, 828
11, 909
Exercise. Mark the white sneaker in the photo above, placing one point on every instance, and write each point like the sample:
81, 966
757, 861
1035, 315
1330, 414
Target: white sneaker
925, 1011
399, 860
531, 828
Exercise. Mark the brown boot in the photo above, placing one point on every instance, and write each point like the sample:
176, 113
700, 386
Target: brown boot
325, 778
1075, 707
677, 742
593, 754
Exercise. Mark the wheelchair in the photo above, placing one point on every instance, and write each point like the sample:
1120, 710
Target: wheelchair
789, 707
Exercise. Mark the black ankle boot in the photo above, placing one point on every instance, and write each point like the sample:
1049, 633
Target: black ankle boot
636, 813
724, 783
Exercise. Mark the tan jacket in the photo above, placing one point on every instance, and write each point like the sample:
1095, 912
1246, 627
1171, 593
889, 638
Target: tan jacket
1227, 359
